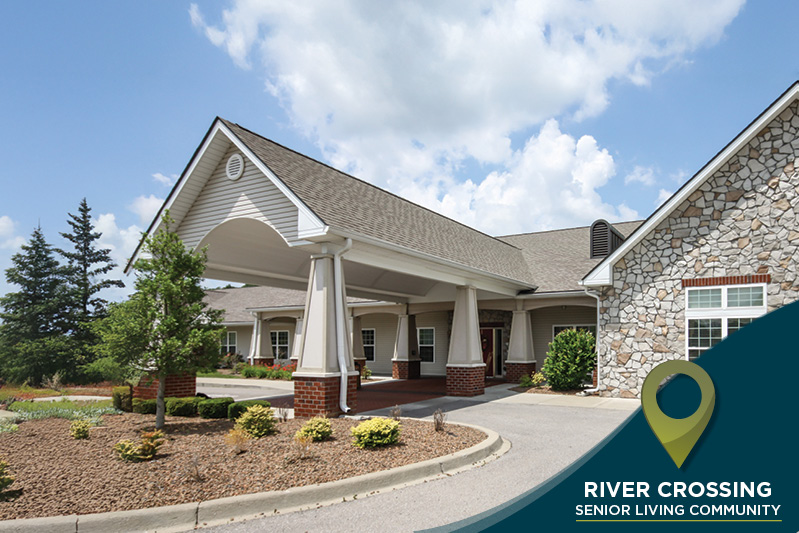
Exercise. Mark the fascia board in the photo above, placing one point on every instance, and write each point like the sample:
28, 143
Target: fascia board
600, 275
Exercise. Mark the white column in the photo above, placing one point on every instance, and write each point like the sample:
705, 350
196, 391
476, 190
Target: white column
406, 344
265, 345
295, 348
464, 341
357, 339
256, 338
521, 349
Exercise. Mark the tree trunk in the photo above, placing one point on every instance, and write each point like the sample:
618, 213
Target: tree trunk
160, 406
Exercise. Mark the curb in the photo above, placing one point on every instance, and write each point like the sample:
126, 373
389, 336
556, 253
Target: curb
188, 516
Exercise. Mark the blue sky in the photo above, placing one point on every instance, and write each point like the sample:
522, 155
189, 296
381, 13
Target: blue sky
509, 117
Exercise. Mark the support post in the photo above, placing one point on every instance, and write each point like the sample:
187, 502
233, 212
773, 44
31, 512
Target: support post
521, 355
406, 363
358, 355
465, 366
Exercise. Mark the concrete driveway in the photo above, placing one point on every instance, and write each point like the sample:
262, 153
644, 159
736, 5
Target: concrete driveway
241, 389
547, 433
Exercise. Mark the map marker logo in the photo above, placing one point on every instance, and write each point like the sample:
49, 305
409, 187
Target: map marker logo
678, 435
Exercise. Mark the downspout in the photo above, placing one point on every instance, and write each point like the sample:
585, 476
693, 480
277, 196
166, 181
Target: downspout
255, 336
595, 389
338, 278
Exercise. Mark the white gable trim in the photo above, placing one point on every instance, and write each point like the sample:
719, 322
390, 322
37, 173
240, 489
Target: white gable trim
601, 275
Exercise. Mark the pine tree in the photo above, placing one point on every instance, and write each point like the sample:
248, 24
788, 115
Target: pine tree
86, 264
34, 322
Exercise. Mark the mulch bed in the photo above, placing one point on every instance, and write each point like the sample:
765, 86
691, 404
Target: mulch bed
57, 475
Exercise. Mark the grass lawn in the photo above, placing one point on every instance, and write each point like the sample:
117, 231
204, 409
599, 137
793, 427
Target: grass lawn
218, 374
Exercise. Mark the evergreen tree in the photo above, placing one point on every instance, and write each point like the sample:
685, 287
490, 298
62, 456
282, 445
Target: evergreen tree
85, 265
34, 322
166, 327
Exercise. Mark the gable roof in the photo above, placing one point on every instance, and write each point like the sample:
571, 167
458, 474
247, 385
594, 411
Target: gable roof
561, 257
600, 275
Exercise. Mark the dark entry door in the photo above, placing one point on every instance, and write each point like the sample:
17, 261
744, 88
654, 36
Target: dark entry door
487, 343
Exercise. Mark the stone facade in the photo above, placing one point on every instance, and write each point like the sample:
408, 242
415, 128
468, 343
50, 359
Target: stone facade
177, 386
742, 221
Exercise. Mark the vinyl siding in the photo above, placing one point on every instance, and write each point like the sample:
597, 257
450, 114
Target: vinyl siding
253, 195
385, 326
438, 321
544, 319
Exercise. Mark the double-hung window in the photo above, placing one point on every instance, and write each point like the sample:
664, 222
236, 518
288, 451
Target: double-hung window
368, 339
229, 343
280, 343
712, 313
426, 338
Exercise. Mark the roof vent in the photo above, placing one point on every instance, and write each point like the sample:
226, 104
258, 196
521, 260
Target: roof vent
235, 167
604, 239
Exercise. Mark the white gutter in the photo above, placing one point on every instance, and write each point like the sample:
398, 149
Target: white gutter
338, 277
596, 347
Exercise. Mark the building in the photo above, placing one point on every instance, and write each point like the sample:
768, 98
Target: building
441, 298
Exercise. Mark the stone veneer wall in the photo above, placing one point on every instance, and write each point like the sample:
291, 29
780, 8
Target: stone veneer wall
741, 221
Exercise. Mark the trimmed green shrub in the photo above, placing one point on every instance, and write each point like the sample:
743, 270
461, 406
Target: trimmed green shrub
257, 421
182, 406
144, 407
79, 429
6, 479
317, 428
571, 358
235, 409
214, 407
122, 398
127, 450
375, 432
249, 371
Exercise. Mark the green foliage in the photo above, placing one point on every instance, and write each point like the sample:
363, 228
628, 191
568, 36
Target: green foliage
182, 406
8, 426
122, 398
525, 381
63, 409
268, 372
6, 479
571, 357
144, 407
317, 428
79, 429
536, 379
105, 369
165, 326
127, 450
375, 432
235, 409
367, 372
214, 407
257, 421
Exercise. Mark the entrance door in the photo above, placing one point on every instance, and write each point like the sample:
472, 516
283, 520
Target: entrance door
487, 343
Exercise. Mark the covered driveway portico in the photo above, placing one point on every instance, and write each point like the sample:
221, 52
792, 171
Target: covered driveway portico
269, 216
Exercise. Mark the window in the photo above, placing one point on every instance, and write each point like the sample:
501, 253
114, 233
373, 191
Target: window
280, 343
426, 338
587, 327
715, 313
229, 343
368, 339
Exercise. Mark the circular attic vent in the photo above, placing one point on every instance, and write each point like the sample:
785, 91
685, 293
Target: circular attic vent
235, 167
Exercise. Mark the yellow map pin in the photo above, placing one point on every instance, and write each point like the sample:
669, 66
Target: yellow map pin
678, 435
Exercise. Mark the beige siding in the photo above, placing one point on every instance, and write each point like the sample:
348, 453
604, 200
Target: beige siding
544, 320
243, 339
253, 195
385, 326
439, 322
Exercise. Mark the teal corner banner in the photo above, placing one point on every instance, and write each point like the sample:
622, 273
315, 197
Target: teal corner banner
741, 475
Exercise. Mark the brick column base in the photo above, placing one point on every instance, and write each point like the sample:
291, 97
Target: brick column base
177, 386
319, 396
515, 371
263, 361
361, 363
465, 381
594, 377
406, 369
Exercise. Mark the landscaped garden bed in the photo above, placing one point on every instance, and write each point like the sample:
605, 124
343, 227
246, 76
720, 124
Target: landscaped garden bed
58, 475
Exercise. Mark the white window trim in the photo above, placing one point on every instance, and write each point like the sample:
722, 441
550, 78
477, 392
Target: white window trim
572, 326
277, 344
373, 345
724, 313
235, 342
419, 345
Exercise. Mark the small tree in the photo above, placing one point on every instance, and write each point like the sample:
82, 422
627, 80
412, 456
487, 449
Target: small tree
571, 356
165, 327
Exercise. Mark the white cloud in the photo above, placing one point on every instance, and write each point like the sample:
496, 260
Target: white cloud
403, 94
9, 240
663, 195
641, 174
146, 207
122, 242
164, 179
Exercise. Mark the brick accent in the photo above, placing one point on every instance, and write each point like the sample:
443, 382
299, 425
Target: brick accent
406, 369
726, 280
594, 377
261, 361
465, 381
177, 386
515, 371
319, 396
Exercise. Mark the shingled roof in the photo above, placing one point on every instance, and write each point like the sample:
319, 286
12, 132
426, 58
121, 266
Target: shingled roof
344, 202
560, 258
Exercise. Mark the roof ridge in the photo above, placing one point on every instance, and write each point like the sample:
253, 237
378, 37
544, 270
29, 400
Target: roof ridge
228, 122
564, 229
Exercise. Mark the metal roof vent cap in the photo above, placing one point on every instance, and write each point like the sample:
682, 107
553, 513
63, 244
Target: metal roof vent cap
234, 167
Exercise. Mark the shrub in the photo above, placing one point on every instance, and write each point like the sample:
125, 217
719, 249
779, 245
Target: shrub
182, 406
8, 426
239, 367
105, 369
122, 398
317, 428
144, 407
367, 372
376, 432
537, 379
571, 357
6, 479
257, 421
237, 439
79, 429
249, 371
525, 381
214, 407
127, 450
86, 410
439, 420
235, 409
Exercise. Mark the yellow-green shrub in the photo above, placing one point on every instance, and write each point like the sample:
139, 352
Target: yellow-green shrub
127, 450
376, 432
317, 428
79, 429
6, 479
258, 421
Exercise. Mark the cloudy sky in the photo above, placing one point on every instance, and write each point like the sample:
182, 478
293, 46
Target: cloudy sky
508, 116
